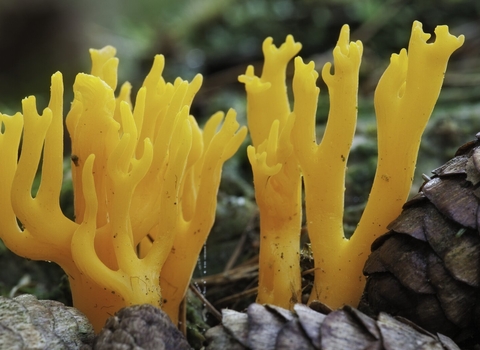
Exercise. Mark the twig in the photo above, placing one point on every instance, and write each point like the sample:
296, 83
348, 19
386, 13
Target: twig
209, 306
238, 249
243, 271
245, 293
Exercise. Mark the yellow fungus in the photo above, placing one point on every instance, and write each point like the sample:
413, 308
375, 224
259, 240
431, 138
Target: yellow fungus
404, 100
140, 173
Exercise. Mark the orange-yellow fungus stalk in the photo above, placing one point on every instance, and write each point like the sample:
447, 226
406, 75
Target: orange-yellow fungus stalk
138, 170
404, 100
198, 200
276, 176
324, 165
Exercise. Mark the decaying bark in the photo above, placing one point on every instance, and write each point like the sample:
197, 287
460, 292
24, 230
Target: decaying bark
29, 323
427, 267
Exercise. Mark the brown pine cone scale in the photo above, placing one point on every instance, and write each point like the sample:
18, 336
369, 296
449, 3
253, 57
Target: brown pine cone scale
427, 267
273, 328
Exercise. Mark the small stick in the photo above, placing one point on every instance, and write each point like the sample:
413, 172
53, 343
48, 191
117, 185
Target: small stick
209, 306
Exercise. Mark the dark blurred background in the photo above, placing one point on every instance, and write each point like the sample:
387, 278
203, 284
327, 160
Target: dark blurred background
219, 38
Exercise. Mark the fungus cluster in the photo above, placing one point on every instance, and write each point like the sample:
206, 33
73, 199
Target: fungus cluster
285, 153
142, 173
146, 175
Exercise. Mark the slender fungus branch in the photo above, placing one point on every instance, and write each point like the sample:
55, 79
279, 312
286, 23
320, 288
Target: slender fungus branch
276, 177
404, 100
324, 165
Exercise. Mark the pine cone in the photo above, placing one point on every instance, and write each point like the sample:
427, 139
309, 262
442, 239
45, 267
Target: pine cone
271, 327
140, 327
427, 267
